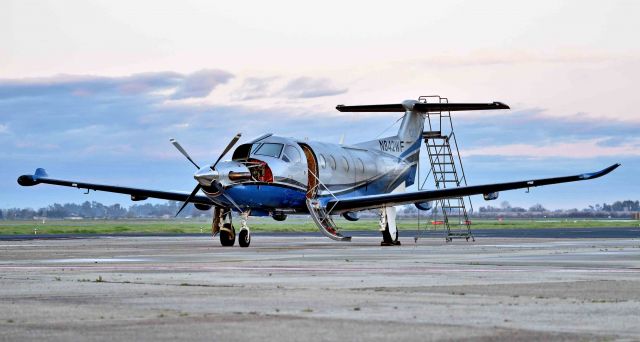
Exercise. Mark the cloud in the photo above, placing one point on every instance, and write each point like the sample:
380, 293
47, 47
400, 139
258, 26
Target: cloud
201, 83
538, 127
132, 85
307, 87
4, 129
197, 84
591, 148
511, 57
254, 88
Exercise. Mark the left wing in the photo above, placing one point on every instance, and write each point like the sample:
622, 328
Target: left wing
376, 201
40, 176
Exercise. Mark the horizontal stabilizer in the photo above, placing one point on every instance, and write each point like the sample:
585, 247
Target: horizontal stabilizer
423, 107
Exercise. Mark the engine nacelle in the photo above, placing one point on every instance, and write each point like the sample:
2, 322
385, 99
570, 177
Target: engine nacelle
136, 198
279, 216
203, 207
351, 216
491, 196
424, 206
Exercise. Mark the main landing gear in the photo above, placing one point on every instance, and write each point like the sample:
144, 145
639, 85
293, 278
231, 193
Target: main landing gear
227, 231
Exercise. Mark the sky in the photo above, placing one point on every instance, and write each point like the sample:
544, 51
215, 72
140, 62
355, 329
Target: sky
93, 90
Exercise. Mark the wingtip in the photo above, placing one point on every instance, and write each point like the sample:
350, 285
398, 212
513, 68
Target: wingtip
601, 172
31, 180
501, 105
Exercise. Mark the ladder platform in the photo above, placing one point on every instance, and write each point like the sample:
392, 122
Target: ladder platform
432, 134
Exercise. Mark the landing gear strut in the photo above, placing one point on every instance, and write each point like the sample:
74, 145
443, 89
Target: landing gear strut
244, 238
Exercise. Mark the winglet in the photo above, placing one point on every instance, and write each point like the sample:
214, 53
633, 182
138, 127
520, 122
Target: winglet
40, 173
599, 173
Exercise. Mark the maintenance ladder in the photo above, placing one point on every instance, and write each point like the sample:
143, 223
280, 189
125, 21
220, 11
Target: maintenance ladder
446, 171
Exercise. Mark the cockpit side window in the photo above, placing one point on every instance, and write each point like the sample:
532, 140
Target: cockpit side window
269, 149
291, 154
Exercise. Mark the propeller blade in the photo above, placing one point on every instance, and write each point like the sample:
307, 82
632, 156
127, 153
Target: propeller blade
231, 143
193, 193
183, 151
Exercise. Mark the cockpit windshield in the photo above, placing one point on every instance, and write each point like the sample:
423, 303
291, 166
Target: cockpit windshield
269, 149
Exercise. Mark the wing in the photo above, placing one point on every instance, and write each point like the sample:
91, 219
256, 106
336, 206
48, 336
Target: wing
41, 177
376, 201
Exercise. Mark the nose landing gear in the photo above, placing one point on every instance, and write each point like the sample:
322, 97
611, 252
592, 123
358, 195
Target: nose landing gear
227, 231
244, 238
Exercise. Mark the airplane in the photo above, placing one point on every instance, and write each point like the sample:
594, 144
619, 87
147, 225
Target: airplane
277, 176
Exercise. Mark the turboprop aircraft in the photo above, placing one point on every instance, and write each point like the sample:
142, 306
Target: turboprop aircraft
277, 176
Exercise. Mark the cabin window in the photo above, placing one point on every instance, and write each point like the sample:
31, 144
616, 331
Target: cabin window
332, 162
360, 165
269, 149
323, 162
345, 164
291, 154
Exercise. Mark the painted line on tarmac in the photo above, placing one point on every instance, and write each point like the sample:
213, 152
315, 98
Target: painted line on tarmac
401, 270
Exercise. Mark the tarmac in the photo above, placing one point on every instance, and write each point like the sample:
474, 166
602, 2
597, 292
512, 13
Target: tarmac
304, 287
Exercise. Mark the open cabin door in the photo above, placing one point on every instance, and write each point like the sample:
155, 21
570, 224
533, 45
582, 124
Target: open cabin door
312, 171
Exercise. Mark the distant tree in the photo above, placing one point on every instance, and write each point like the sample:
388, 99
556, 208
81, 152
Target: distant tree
1, 215
537, 208
505, 205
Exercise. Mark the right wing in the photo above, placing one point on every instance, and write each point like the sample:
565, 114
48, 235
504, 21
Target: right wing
377, 201
40, 176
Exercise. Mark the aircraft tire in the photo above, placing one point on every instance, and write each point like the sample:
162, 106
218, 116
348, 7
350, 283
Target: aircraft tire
227, 239
244, 238
387, 240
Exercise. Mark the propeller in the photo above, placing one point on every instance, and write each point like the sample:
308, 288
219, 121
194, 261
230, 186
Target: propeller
177, 145
229, 146
183, 151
